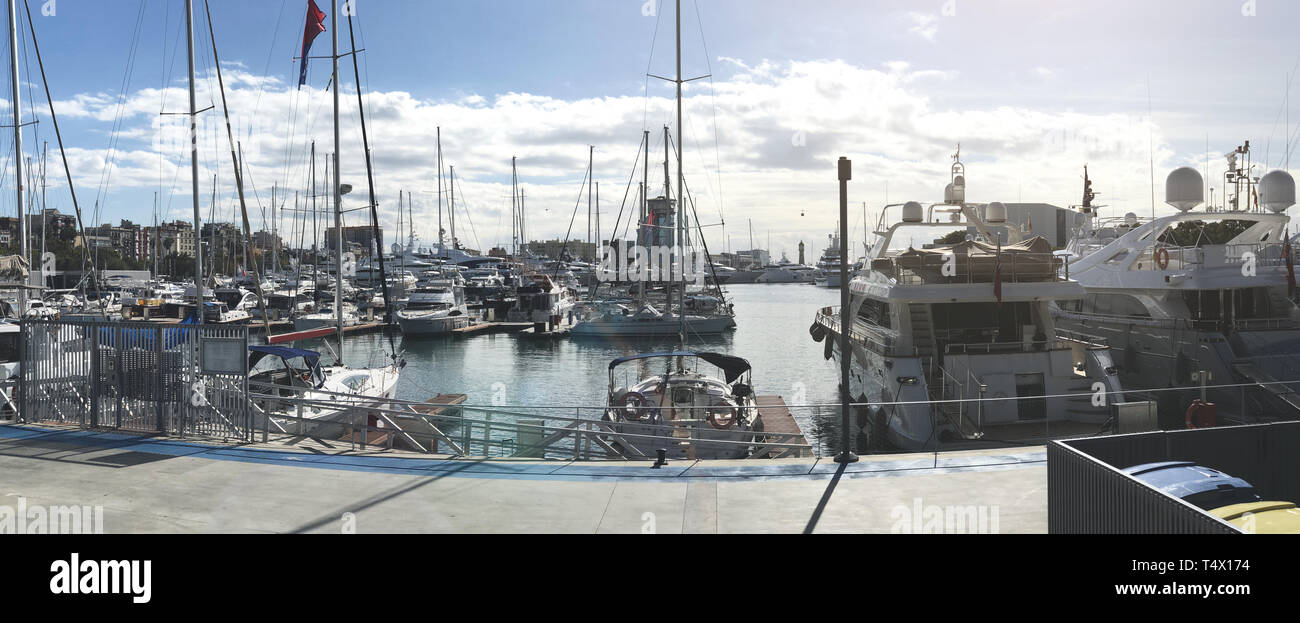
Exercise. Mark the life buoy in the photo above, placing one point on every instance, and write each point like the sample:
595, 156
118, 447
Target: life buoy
633, 405
722, 418
1162, 258
1200, 415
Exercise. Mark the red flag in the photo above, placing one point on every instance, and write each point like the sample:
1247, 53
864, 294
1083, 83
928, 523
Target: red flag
315, 26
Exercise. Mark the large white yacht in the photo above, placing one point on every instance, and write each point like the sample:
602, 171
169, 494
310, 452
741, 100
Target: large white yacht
435, 308
1197, 291
829, 271
963, 321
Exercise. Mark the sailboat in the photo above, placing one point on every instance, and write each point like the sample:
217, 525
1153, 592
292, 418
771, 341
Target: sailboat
349, 387
683, 411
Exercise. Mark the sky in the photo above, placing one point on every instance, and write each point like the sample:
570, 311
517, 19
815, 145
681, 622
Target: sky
1031, 90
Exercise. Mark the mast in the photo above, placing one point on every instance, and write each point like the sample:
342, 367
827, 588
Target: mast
514, 205
18, 149
681, 199
374, 203
591, 163
442, 250
157, 236
645, 189
338, 185
194, 164
451, 210
315, 227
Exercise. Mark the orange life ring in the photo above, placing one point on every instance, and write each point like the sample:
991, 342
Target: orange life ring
722, 418
1162, 258
1200, 415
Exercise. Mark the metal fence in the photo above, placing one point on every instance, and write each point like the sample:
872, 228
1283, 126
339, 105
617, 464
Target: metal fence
567, 433
188, 380
1088, 492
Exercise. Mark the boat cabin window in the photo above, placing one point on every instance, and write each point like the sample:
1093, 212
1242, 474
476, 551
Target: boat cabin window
1113, 305
980, 323
1232, 304
874, 312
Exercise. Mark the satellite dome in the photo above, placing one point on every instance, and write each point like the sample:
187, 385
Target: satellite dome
913, 212
996, 212
1130, 219
1277, 191
1185, 189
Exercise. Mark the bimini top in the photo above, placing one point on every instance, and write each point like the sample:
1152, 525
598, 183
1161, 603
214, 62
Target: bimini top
259, 352
732, 366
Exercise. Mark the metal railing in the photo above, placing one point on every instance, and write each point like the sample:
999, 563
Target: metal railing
500, 432
954, 268
861, 332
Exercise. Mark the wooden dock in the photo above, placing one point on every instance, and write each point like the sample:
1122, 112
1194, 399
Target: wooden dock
777, 419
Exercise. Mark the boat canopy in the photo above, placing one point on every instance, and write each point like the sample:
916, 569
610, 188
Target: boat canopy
732, 366
260, 352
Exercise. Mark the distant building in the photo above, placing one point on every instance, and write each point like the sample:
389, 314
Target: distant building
558, 249
360, 239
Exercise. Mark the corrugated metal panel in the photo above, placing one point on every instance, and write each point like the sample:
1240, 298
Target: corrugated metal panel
1087, 496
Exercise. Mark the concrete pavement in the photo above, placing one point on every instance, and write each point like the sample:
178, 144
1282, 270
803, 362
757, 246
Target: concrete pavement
148, 485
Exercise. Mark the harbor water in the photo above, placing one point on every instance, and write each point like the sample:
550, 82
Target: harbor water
522, 375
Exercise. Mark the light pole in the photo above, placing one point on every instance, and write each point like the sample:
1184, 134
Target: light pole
846, 454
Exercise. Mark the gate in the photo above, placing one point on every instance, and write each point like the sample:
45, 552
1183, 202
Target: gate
181, 380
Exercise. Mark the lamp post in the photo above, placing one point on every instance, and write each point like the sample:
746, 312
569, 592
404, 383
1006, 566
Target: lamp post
846, 454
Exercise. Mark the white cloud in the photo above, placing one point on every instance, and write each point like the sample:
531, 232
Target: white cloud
923, 25
779, 129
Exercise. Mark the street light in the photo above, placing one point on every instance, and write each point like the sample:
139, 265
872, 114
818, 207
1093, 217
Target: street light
846, 454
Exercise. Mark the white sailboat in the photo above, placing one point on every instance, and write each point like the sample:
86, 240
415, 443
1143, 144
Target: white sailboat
682, 410
349, 387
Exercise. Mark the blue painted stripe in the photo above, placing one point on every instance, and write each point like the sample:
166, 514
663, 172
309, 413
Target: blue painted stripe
676, 471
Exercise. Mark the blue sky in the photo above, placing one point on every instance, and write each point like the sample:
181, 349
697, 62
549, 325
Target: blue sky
1033, 90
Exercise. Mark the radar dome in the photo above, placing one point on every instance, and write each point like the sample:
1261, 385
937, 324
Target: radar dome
1130, 219
996, 212
913, 212
1277, 191
1185, 189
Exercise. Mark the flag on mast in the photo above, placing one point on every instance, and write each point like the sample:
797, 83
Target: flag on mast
315, 26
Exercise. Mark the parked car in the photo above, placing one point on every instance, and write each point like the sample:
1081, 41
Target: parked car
1200, 486
1231, 499
1262, 517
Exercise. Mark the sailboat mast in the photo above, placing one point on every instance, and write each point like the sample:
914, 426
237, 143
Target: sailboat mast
18, 147
338, 185
591, 164
194, 164
442, 250
514, 205
451, 210
643, 239
681, 198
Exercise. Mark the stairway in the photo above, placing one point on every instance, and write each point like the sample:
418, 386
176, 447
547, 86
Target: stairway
922, 328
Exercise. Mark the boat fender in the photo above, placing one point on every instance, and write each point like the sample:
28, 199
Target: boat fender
1162, 258
632, 407
829, 349
818, 332
722, 418
1200, 414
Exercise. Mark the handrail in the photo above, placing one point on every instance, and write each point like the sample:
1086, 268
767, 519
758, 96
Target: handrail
828, 317
588, 434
